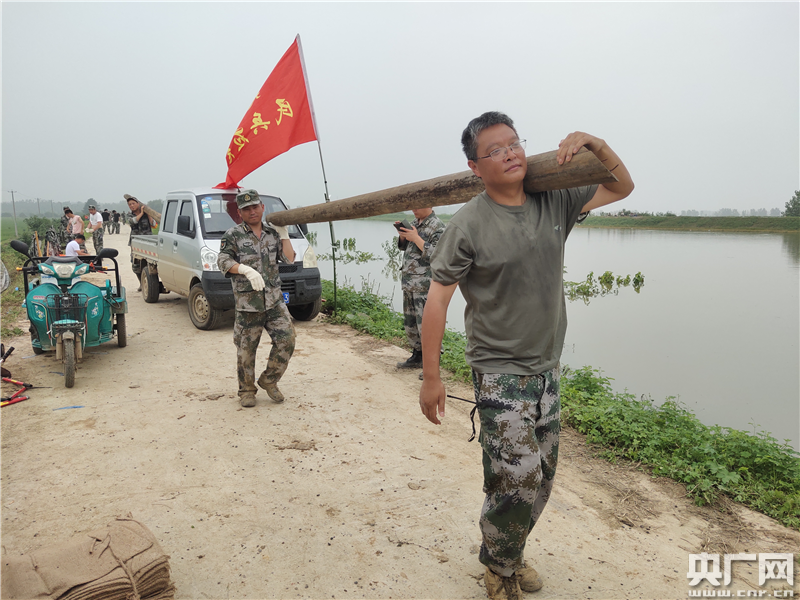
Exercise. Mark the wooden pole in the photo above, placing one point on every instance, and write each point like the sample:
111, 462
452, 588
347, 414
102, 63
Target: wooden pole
544, 174
156, 215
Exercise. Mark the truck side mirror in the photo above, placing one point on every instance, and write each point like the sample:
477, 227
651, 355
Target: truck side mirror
185, 226
304, 228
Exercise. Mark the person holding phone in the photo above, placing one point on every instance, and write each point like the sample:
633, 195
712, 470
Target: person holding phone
417, 240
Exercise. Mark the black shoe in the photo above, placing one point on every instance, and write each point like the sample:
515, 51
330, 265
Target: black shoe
414, 361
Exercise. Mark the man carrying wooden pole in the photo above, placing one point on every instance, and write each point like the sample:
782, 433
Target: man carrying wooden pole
505, 250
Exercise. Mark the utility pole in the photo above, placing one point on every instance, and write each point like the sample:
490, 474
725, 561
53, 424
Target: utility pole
14, 209
38, 207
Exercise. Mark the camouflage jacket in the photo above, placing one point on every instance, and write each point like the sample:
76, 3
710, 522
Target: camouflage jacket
240, 245
141, 227
416, 276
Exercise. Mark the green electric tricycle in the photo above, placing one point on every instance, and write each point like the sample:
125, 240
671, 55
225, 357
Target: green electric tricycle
68, 314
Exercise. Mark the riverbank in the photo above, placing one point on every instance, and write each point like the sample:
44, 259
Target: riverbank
729, 224
711, 461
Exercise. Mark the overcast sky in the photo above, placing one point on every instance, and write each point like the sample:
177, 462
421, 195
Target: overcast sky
102, 99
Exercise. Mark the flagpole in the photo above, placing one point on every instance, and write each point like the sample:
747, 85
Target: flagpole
334, 244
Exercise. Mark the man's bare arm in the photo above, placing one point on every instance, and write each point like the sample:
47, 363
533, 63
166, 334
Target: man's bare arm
432, 394
608, 192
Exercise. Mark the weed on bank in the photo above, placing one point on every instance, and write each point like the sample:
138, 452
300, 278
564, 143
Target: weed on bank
754, 469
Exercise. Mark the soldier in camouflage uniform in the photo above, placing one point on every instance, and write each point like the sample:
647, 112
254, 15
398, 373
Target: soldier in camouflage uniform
63, 230
418, 244
141, 224
248, 254
505, 250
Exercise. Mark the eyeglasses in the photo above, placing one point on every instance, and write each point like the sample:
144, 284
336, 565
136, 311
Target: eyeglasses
499, 154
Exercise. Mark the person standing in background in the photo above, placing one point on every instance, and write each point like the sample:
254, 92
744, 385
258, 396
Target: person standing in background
96, 226
418, 244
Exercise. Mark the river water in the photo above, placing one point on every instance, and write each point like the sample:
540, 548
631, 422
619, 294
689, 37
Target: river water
716, 325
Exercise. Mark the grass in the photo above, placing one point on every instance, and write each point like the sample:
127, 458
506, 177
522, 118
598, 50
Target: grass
669, 440
11, 310
755, 224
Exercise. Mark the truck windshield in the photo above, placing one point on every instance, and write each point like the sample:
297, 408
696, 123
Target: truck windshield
219, 213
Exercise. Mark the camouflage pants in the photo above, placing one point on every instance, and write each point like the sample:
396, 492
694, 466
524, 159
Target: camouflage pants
97, 240
115, 227
520, 423
413, 305
247, 329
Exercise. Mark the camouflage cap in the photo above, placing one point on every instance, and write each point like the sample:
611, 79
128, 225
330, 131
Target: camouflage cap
92, 207
247, 198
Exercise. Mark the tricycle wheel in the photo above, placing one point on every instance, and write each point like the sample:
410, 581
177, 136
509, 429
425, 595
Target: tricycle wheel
202, 314
150, 286
122, 334
35, 349
69, 363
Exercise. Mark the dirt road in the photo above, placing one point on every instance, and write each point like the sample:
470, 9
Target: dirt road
343, 491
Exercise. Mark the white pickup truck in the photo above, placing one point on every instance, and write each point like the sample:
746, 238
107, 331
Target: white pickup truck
182, 256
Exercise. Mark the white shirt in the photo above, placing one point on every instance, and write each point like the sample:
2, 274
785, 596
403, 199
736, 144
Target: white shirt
72, 248
95, 218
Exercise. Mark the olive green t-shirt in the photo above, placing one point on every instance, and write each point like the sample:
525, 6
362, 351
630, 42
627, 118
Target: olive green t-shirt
509, 264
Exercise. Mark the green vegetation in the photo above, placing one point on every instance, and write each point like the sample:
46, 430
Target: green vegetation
669, 440
757, 224
604, 285
668, 221
793, 206
346, 252
11, 310
755, 470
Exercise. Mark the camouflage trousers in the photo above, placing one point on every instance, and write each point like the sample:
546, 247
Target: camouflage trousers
413, 305
97, 240
520, 423
247, 329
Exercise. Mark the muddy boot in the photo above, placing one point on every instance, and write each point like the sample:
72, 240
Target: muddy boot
248, 399
502, 588
414, 361
529, 580
271, 388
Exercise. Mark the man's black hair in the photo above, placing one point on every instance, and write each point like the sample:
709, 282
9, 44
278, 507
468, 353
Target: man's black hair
469, 139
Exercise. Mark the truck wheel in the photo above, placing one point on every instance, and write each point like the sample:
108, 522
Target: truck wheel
122, 332
306, 312
202, 314
150, 286
69, 363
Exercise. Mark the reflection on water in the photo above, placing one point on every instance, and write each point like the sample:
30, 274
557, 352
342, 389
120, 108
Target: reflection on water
791, 246
716, 326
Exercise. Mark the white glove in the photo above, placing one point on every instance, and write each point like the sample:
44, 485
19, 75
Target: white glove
283, 232
256, 280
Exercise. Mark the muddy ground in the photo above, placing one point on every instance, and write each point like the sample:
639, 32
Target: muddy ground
343, 491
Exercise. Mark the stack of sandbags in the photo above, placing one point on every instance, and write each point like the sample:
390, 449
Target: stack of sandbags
122, 561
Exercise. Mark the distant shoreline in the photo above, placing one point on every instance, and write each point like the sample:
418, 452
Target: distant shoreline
731, 224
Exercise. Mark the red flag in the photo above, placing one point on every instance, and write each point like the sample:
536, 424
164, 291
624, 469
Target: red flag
279, 118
